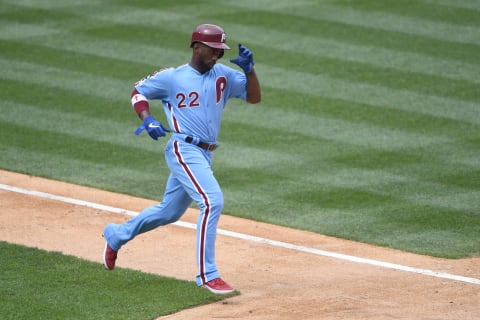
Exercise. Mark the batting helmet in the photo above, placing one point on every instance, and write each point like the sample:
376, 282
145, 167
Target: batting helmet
210, 35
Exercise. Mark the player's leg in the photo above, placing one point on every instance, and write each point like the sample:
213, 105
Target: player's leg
192, 168
210, 203
174, 204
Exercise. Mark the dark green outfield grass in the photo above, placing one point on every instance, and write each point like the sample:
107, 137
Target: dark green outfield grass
369, 128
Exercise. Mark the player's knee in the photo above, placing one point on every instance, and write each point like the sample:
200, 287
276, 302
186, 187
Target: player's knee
215, 201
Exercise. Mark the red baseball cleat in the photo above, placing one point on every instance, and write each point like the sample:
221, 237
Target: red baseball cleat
218, 286
109, 257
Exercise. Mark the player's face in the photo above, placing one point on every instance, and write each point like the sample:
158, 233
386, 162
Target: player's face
205, 57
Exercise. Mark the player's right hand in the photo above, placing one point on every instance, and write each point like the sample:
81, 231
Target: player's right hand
154, 128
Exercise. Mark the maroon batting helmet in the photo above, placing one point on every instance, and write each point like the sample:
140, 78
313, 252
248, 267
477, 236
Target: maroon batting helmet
210, 35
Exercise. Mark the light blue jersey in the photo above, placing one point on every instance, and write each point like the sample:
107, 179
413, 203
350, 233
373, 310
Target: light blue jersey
194, 102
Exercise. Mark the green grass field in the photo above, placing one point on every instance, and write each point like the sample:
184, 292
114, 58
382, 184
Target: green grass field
369, 128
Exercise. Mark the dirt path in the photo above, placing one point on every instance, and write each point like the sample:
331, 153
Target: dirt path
275, 283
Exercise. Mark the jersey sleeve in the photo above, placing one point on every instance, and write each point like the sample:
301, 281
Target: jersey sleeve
155, 86
238, 82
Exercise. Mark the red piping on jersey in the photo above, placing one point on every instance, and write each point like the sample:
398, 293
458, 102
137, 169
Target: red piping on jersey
174, 120
203, 224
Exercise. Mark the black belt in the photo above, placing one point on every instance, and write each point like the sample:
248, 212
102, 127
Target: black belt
203, 145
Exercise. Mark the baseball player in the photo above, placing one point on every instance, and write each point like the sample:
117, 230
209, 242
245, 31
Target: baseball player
193, 96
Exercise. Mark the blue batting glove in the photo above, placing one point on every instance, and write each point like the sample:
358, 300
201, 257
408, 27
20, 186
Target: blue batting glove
154, 128
244, 59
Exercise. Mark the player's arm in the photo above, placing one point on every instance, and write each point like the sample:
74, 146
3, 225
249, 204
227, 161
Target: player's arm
245, 61
254, 93
141, 106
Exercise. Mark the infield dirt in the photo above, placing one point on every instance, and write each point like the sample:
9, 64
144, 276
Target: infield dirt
275, 283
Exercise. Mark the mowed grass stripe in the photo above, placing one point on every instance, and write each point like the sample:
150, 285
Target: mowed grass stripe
453, 11
114, 54
98, 174
143, 57
430, 175
463, 201
435, 163
358, 92
35, 15
409, 23
66, 100
464, 153
454, 191
75, 146
367, 114
52, 77
313, 48
124, 16
52, 4
338, 130
303, 40
355, 35
469, 5
70, 60
437, 84
55, 16
70, 123
382, 198
448, 29
374, 170
15, 30
378, 184
81, 160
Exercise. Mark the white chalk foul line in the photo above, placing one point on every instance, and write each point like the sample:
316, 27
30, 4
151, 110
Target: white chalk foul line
242, 236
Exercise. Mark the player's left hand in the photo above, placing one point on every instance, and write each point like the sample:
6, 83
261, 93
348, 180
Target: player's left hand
244, 59
154, 128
